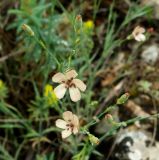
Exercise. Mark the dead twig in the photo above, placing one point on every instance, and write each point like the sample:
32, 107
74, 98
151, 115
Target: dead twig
12, 54
115, 92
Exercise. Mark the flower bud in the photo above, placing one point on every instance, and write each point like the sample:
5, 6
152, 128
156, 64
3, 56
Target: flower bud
123, 98
123, 124
79, 18
150, 30
78, 24
28, 30
77, 41
93, 139
94, 103
109, 118
96, 119
129, 37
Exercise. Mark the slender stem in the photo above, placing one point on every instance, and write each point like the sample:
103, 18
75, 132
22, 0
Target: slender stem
40, 131
123, 124
100, 116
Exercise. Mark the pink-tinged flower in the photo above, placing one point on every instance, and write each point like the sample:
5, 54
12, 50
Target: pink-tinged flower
70, 124
68, 81
138, 34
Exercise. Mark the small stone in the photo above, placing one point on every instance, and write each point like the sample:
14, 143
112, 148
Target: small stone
150, 54
136, 145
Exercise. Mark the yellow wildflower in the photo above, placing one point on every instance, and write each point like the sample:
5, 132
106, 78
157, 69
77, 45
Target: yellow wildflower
88, 25
1, 84
50, 95
3, 90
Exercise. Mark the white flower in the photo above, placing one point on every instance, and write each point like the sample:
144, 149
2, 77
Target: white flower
138, 34
70, 124
68, 81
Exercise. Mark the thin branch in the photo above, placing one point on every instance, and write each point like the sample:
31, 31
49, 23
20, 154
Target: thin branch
12, 54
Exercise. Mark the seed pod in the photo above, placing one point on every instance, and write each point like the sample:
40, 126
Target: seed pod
123, 98
78, 24
28, 30
93, 139
109, 118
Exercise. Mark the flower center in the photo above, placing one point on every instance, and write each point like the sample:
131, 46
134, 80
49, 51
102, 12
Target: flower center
70, 126
137, 33
69, 83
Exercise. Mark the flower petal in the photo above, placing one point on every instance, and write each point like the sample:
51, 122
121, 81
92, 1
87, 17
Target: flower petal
71, 74
75, 130
58, 77
79, 84
140, 29
68, 116
66, 133
140, 37
75, 120
75, 94
61, 123
60, 91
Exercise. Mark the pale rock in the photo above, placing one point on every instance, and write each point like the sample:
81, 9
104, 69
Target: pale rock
150, 54
135, 145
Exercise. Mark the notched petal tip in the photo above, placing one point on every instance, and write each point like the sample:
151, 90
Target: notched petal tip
58, 77
75, 121
80, 84
67, 116
71, 74
61, 124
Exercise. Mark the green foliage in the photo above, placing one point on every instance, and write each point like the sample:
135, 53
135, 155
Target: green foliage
83, 154
54, 39
136, 11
